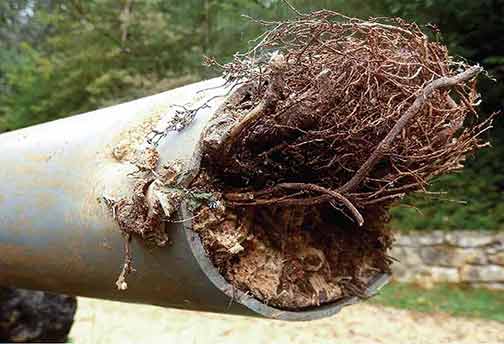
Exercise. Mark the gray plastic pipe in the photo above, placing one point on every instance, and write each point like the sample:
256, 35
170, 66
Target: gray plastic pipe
56, 233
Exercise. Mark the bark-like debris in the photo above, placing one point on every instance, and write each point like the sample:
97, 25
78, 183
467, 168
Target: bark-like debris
157, 191
138, 215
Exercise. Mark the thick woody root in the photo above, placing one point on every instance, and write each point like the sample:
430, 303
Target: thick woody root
336, 119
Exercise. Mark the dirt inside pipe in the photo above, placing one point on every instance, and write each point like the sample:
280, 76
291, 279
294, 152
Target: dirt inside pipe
294, 257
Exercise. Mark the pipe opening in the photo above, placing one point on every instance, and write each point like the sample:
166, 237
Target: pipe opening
291, 254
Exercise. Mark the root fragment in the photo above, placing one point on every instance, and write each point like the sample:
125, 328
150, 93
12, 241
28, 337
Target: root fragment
127, 266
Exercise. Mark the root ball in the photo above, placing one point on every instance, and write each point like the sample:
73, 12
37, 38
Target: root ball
335, 118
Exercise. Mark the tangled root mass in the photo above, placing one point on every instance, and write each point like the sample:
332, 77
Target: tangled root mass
332, 92
334, 120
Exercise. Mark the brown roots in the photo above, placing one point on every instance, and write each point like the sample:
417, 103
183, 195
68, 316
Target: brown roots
365, 109
345, 115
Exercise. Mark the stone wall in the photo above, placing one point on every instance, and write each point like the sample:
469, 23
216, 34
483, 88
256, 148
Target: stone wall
471, 257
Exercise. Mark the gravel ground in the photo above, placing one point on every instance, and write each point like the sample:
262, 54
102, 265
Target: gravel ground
100, 321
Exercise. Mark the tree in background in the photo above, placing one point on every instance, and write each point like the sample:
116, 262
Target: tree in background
93, 54
65, 57
61, 57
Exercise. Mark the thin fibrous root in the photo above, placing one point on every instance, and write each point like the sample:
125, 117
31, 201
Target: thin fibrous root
128, 264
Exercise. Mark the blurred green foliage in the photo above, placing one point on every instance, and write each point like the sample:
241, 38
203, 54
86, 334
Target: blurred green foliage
62, 57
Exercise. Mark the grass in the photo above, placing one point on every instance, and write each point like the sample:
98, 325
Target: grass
452, 299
